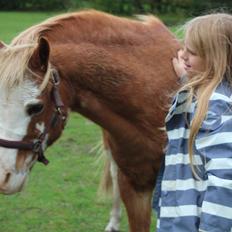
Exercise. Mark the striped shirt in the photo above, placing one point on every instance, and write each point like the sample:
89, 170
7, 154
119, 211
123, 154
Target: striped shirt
185, 203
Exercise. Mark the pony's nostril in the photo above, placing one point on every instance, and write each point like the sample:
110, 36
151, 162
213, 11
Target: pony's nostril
7, 178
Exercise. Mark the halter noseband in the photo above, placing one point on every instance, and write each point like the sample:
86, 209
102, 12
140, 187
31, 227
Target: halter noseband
36, 146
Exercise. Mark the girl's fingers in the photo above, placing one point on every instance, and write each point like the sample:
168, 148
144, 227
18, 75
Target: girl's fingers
175, 64
178, 66
174, 61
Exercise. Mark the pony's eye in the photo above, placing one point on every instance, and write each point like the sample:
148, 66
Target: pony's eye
33, 109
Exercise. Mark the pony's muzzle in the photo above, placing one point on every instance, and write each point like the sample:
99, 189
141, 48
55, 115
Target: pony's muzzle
12, 182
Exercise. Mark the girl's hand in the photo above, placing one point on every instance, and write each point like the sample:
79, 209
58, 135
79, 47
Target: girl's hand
178, 64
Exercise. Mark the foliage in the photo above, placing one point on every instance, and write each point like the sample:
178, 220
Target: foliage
122, 7
35, 4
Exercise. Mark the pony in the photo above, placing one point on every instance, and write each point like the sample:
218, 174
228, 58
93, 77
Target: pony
115, 71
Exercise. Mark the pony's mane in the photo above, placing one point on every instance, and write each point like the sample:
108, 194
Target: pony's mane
14, 61
91, 26
14, 58
14, 65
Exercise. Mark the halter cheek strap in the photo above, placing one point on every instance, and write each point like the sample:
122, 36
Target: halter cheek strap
36, 146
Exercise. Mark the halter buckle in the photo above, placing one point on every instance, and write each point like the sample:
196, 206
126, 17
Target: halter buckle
59, 111
55, 77
37, 146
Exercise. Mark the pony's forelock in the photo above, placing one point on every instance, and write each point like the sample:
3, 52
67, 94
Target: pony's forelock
14, 62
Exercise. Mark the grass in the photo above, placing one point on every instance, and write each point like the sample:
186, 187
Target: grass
62, 196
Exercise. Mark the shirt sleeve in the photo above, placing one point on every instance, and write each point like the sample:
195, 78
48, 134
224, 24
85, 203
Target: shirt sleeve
214, 144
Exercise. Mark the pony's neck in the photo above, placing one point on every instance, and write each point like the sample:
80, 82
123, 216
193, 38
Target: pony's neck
82, 74
91, 68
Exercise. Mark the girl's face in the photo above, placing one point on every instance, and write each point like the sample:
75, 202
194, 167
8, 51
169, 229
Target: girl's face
193, 63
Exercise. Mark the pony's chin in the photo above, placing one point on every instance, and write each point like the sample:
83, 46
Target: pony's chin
8, 192
13, 188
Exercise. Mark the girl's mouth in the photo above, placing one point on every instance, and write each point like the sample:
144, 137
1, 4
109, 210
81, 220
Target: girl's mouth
187, 66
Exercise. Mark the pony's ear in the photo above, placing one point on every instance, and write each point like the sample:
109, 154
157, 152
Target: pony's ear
2, 45
40, 57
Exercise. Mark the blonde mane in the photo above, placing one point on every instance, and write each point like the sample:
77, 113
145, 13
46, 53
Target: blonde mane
14, 62
14, 58
14, 65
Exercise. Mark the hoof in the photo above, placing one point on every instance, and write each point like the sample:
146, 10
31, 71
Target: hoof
113, 230
110, 229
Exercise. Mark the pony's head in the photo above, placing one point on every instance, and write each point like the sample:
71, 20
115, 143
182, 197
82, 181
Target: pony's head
31, 114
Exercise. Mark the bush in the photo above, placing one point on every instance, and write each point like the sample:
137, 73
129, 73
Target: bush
36, 5
122, 7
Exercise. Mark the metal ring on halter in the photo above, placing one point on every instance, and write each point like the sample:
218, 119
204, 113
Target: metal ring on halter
37, 146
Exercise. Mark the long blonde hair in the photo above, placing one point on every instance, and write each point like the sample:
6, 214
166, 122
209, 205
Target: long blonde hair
210, 36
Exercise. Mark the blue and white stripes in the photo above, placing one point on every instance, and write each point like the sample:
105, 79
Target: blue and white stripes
187, 204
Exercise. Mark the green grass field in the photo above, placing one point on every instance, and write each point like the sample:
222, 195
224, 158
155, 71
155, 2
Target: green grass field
62, 196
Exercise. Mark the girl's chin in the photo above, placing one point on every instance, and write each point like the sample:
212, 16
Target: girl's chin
191, 74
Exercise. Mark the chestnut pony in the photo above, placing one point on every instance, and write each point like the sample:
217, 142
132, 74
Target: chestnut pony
116, 72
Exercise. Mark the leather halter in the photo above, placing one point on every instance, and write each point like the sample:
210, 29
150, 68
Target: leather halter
36, 146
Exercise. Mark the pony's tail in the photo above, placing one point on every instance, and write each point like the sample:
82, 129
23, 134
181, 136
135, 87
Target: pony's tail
105, 186
104, 157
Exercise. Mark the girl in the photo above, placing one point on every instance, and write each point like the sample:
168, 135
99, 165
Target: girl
196, 186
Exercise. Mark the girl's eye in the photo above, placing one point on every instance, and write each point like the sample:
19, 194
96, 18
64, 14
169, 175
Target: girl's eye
191, 52
33, 109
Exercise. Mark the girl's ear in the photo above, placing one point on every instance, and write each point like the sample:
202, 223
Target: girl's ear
40, 57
